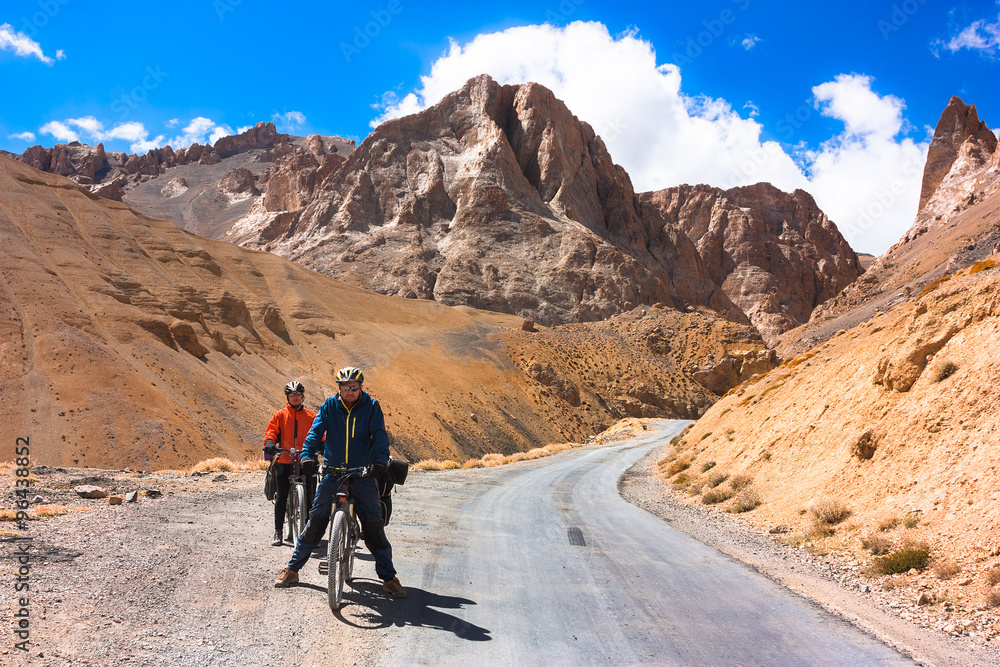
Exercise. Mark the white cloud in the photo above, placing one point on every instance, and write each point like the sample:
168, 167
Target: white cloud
664, 137
289, 121
849, 98
980, 36
60, 54
866, 179
87, 128
750, 41
60, 131
88, 124
23, 136
22, 45
200, 130
173, 122
144, 145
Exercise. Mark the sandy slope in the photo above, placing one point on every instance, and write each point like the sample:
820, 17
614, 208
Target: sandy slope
870, 420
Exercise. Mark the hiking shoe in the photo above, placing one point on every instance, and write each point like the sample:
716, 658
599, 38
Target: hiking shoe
287, 578
276, 540
394, 588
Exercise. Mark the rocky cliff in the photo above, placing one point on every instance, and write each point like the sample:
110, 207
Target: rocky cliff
776, 255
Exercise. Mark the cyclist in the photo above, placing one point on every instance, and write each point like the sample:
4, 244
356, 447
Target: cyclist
288, 429
354, 427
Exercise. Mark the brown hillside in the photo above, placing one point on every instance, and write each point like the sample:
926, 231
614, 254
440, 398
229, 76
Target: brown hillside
127, 341
896, 418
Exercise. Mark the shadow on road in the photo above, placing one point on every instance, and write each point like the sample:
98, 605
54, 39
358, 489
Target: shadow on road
368, 608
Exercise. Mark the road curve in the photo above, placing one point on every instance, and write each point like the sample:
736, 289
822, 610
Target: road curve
543, 563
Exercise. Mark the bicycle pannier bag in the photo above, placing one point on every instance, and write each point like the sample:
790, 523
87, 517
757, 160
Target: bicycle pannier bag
270, 482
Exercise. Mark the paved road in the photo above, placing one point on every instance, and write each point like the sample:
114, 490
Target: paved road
543, 563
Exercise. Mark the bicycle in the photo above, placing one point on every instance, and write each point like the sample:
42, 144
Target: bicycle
297, 506
344, 536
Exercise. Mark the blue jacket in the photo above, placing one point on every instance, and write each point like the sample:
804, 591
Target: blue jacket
354, 437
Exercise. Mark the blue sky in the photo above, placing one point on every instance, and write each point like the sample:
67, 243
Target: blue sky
836, 98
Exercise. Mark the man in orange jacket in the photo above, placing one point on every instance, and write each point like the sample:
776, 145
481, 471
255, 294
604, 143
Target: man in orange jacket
288, 429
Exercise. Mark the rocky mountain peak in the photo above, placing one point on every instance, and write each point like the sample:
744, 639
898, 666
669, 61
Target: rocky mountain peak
497, 197
959, 133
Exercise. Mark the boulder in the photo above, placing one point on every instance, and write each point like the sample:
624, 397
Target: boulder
89, 491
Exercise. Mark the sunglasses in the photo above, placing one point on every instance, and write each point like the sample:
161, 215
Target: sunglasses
295, 393
356, 387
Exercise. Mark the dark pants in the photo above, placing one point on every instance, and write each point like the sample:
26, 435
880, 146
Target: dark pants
368, 507
283, 476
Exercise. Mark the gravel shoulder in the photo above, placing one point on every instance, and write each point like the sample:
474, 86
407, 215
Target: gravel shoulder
835, 582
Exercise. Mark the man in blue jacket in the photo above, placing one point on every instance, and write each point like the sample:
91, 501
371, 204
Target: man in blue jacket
354, 427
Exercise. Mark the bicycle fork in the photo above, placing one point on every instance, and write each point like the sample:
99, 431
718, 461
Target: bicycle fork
346, 504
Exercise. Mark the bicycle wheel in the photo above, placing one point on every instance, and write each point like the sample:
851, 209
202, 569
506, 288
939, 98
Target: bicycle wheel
335, 559
299, 511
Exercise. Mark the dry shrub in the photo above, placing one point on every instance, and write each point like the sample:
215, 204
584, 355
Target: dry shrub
448, 464
746, 500
820, 532
716, 478
218, 464
830, 511
491, 460
879, 545
8, 515
912, 520
911, 556
888, 524
681, 480
713, 496
427, 464
737, 482
255, 464
993, 598
557, 447
946, 568
49, 510
945, 370
676, 467
932, 285
472, 463
798, 360
982, 266
993, 575
707, 465
706, 435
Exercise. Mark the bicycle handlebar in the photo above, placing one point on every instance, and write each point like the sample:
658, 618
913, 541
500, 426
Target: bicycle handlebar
361, 471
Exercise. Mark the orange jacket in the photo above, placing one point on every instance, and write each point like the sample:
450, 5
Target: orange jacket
289, 428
